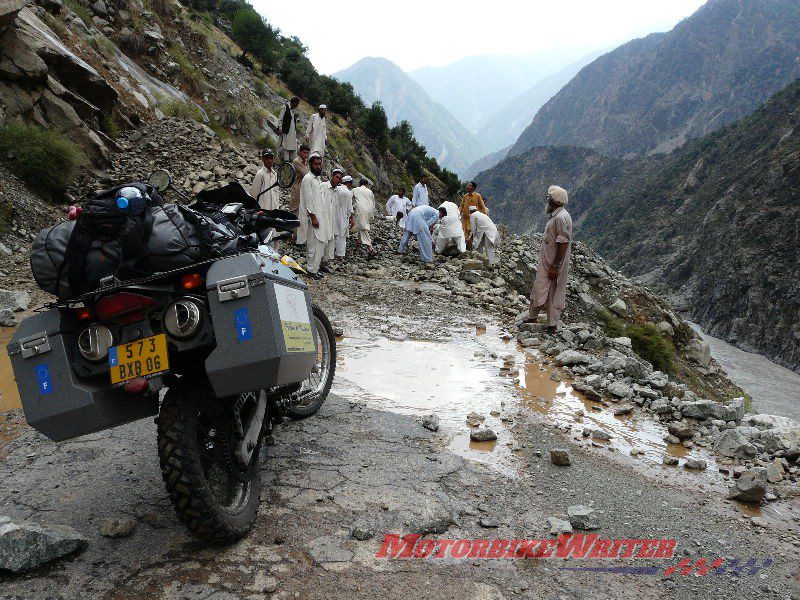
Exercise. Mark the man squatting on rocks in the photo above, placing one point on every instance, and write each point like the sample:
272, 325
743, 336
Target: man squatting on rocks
550, 286
484, 234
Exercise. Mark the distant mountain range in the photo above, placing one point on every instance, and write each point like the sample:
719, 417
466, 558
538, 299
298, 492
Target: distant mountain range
476, 87
503, 127
654, 94
443, 135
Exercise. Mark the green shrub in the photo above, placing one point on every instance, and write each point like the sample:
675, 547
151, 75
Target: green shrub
181, 110
83, 13
652, 345
647, 341
45, 159
110, 126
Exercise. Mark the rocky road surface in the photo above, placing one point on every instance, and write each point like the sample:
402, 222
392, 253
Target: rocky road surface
336, 483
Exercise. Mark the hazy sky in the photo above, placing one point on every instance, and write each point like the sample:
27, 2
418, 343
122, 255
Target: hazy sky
416, 33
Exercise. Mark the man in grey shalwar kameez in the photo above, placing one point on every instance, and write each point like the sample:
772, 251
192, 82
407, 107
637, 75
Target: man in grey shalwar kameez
550, 286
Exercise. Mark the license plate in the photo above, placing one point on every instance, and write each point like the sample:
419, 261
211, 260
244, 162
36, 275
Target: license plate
143, 358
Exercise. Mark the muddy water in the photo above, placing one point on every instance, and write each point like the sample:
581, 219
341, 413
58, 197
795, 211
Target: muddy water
9, 395
482, 372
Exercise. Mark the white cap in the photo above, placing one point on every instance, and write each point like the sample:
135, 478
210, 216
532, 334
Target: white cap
347, 179
473, 208
323, 106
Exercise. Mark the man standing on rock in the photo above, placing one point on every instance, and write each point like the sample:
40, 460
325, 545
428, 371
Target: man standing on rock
550, 286
420, 194
300, 164
288, 130
364, 205
316, 220
484, 233
420, 222
318, 131
343, 213
396, 205
471, 198
266, 177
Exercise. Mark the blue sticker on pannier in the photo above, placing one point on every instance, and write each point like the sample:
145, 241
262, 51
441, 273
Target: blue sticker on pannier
113, 361
242, 320
43, 377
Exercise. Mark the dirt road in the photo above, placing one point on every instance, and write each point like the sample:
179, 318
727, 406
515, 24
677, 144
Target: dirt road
361, 469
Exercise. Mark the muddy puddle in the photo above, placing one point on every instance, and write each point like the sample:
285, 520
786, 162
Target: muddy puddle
9, 395
485, 372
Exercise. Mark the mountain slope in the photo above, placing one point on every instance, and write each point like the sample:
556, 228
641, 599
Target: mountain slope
719, 220
654, 93
503, 127
403, 99
474, 87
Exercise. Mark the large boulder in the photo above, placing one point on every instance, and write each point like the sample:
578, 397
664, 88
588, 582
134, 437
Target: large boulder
733, 410
698, 351
15, 300
734, 444
9, 10
751, 486
768, 421
573, 357
25, 546
780, 439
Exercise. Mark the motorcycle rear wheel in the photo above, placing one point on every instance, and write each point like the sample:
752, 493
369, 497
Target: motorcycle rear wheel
314, 390
214, 504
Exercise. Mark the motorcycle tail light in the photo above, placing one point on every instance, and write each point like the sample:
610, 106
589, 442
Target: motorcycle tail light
94, 342
122, 304
191, 281
182, 318
83, 314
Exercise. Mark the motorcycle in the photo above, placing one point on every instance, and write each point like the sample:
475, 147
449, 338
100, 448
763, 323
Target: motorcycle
222, 351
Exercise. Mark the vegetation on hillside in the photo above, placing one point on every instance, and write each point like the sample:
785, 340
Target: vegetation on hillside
45, 159
286, 57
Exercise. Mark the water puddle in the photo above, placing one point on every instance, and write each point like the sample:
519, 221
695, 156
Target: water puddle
485, 372
451, 379
9, 394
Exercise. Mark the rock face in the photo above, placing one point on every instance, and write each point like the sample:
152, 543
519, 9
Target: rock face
654, 93
25, 546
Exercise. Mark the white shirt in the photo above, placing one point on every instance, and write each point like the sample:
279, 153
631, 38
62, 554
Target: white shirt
364, 203
481, 225
450, 227
263, 179
343, 208
314, 201
317, 133
420, 196
396, 204
288, 141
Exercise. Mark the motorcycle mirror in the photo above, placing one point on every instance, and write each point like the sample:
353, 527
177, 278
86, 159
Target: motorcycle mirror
160, 179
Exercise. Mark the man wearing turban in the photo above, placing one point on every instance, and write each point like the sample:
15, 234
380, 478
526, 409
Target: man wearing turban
550, 286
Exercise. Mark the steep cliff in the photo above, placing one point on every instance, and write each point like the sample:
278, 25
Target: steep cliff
655, 93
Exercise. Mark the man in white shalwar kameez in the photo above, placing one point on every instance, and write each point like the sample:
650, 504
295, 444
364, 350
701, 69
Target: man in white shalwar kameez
288, 130
420, 223
343, 211
318, 131
316, 220
484, 233
450, 234
398, 204
550, 286
265, 177
419, 197
364, 206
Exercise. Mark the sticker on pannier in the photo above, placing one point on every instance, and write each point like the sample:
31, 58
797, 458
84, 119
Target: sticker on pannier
43, 377
242, 319
295, 320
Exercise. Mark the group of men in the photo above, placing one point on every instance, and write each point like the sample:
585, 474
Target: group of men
450, 230
328, 210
